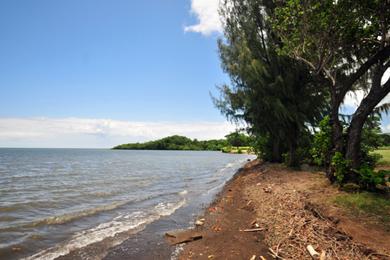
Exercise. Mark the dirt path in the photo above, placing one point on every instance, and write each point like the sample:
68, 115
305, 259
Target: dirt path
293, 209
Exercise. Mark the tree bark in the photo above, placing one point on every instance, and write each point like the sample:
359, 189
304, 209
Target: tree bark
276, 155
337, 134
368, 104
293, 160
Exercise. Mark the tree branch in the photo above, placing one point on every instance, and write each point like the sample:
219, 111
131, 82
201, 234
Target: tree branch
382, 54
351, 79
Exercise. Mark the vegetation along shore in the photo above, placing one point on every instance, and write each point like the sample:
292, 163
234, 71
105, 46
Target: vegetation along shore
293, 66
235, 142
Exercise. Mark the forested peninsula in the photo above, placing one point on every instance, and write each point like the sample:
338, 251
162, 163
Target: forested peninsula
177, 142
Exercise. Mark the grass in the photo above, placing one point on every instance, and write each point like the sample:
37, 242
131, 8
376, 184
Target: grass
237, 149
372, 205
385, 160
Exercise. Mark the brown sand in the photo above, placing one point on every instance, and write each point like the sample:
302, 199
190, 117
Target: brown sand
293, 209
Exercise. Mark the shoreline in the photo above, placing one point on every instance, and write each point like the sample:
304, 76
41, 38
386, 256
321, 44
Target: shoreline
149, 242
267, 211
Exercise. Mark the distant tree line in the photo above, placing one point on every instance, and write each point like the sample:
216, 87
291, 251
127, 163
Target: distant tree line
177, 142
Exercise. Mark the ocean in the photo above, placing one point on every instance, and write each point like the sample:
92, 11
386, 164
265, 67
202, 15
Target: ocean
89, 203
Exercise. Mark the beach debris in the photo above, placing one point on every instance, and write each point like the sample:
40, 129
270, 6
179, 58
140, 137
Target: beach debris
254, 224
313, 253
200, 222
182, 236
252, 230
253, 257
262, 258
210, 257
323, 255
274, 254
213, 209
268, 189
216, 228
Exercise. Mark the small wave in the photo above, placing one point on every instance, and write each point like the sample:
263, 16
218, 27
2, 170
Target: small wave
62, 219
55, 220
135, 222
184, 192
178, 249
230, 165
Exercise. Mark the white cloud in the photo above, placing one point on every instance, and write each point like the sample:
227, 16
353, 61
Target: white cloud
208, 17
353, 99
82, 132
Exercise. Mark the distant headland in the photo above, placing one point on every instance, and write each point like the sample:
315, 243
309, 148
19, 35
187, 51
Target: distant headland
233, 143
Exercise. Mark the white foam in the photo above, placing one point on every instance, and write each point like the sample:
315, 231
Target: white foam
175, 254
184, 192
135, 221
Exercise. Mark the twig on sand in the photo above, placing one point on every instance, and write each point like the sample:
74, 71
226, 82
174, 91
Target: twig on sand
274, 254
252, 230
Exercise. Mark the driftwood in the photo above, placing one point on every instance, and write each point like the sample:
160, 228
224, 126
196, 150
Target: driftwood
182, 236
313, 253
252, 230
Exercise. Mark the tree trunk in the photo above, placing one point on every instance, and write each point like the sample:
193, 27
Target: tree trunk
276, 155
376, 94
293, 160
337, 135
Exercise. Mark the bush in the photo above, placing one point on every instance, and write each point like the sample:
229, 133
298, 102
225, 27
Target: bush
321, 143
370, 179
341, 167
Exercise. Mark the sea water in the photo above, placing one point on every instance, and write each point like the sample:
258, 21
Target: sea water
55, 201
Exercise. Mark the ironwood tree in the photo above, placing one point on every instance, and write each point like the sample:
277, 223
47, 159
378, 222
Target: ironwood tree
277, 96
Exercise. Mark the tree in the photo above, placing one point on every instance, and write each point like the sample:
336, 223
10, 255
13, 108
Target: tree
238, 139
275, 95
345, 43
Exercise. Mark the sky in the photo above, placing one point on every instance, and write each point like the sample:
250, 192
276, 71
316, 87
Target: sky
97, 73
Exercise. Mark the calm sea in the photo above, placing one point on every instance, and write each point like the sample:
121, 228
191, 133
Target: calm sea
56, 201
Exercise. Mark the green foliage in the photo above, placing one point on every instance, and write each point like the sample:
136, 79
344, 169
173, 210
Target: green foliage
331, 35
345, 44
238, 149
383, 155
371, 139
369, 178
239, 139
322, 142
276, 96
340, 166
385, 139
367, 204
176, 142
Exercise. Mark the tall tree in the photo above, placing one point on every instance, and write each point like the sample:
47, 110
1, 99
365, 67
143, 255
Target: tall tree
274, 94
347, 44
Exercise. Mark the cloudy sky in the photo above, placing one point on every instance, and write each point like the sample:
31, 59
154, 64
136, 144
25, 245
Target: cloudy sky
96, 73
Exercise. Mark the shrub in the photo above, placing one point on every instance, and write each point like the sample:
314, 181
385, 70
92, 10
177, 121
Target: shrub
341, 167
369, 179
321, 143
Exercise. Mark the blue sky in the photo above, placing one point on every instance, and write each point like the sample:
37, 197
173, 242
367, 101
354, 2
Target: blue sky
125, 60
85, 73
95, 73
